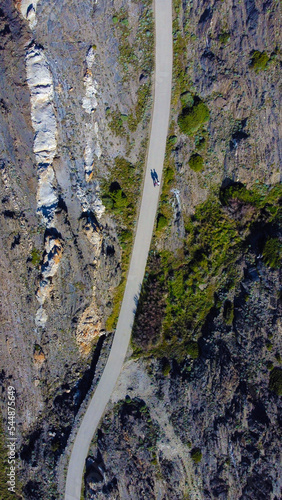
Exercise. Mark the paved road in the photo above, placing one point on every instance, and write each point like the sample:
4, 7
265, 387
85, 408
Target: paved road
149, 203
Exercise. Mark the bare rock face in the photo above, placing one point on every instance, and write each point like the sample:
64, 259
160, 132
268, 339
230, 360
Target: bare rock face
207, 428
63, 94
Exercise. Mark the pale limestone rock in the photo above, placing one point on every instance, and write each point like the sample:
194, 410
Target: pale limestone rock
53, 255
51, 261
94, 236
89, 102
41, 317
27, 9
40, 82
88, 161
90, 57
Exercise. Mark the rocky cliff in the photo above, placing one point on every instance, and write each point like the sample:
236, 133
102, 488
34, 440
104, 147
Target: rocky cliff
75, 104
196, 410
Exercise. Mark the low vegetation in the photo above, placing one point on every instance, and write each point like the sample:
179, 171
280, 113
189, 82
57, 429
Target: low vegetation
196, 455
259, 60
136, 57
196, 162
272, 253
35, 256
192, 117
119, 195
180, 289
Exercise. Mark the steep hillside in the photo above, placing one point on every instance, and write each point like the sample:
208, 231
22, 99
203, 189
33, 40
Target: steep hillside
75, 104
197, 410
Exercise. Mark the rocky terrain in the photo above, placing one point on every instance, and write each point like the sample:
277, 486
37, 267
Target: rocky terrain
71, 114
196, 410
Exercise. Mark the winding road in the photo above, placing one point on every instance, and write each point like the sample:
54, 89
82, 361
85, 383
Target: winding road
144, 231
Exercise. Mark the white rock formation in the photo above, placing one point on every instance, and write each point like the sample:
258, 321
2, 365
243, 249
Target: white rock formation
97, 206
89, 102
40, 83
51, 261
92, 147
27, 9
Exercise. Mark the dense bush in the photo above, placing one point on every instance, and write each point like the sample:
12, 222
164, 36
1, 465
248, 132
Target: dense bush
161, 222
192, 118
193, 349
196, 455
259, 60
196, 162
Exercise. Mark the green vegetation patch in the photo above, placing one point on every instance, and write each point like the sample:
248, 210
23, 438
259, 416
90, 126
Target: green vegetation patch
166, 368
196, 455
275, 381
192, 349
272, 253
224, 37
259, 60
187, 99
179, 290
228, 312
119, 195
161, 221
165, 207
192, 117
35, 256
196, 162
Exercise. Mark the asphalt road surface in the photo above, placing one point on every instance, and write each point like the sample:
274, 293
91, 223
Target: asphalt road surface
144, 231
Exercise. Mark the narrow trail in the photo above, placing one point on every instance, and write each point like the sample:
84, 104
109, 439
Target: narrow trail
144, 231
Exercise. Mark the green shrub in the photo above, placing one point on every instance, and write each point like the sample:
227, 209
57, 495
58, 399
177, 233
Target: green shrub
272, 253
172, 140
275, 381
124, 21
228, 312
224, 37
278, 357
193, 349
238, 191
35, 257
166, 368
196, 455
196, 162
259, 60
161, 222
192, 118
269, 345
187, 99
